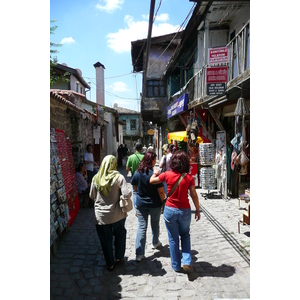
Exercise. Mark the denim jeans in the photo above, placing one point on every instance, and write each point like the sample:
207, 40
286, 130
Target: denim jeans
133, 197
105, 234
142, 214
178, 224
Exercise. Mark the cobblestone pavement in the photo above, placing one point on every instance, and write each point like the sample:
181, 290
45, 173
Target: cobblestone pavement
221, 259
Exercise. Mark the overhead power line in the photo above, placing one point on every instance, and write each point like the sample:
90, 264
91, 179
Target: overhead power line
110, 93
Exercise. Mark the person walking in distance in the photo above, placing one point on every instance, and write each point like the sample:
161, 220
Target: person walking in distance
177, 212
133, 162
88, 160
109, 217
134, 159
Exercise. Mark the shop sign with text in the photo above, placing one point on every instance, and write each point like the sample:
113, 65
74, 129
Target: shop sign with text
216, 74
178, 106
216, 79
217, 55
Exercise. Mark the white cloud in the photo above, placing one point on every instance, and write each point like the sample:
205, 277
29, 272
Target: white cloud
68, 40
119, 86
158, 18
110, 6
136, 30
162, 18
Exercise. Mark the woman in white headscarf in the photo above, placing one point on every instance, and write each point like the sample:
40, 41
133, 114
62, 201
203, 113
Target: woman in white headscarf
109, 217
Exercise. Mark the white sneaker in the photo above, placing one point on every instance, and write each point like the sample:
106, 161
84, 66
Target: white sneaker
156, 245
139, 257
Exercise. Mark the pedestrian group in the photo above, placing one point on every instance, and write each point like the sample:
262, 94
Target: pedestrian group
151, 189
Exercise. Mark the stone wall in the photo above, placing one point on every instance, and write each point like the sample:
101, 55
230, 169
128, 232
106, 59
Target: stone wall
71, 122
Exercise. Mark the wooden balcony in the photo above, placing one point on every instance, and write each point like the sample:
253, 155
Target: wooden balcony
238, 69
154, 109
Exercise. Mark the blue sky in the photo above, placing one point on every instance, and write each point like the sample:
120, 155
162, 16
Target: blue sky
102, 30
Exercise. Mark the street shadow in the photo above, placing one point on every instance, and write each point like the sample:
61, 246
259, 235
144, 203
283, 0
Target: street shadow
149, 265
109, 282
211, 196
206, 269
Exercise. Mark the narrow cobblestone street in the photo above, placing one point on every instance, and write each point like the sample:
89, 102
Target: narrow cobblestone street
221, 259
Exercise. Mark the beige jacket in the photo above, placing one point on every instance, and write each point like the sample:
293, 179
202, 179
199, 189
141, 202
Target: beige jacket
107, 209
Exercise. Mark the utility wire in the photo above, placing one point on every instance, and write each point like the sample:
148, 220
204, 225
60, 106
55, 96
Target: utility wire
179, 28
177, 31
157, 11
136, 99
131, 73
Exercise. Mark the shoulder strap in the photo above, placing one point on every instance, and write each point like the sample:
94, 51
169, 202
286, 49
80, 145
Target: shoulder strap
137, 157
176, 184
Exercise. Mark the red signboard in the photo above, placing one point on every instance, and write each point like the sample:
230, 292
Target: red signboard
217, 55
216, 74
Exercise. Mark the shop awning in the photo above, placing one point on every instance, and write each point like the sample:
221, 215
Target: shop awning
181, 136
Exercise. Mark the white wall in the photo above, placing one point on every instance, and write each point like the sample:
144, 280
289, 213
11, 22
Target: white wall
111, 134
100, 85
121, 137
73, 81
217, 38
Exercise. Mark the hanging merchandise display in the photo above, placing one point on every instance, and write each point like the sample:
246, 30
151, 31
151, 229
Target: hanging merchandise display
221, 163
207, 159
240, 160
207, 178
59, 210
68, 172
207, 154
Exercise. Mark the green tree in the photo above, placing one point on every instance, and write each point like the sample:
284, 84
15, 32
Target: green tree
53, 59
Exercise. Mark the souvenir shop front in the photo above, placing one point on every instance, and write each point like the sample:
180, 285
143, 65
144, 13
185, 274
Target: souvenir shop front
64, 198
220, 156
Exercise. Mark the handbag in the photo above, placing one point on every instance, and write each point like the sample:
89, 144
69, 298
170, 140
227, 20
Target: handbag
126, 203
172, 191
242, 158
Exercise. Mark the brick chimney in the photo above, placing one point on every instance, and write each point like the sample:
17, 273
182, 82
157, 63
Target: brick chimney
99, 83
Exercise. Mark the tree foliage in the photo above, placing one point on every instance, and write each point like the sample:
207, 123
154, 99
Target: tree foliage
53, 59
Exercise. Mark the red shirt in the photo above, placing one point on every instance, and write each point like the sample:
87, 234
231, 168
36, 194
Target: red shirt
179, 199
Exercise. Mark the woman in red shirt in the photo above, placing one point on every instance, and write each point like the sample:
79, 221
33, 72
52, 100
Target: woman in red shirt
177, 213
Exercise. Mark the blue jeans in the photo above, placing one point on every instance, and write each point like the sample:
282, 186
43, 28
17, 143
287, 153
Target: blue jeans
133, 197
105, 234
142, 214
178, 224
